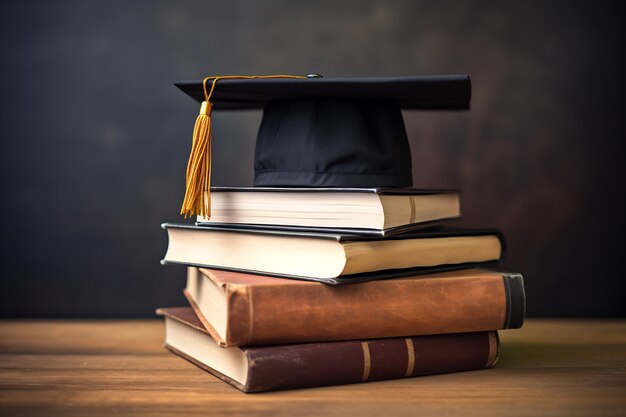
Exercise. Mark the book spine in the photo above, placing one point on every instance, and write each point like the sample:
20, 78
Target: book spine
377, 309
516, 300
322, 364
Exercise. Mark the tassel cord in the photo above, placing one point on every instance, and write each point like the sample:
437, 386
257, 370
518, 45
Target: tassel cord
197, 200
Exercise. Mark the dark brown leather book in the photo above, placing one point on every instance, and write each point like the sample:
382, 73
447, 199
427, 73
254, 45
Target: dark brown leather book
267, 368
243, 309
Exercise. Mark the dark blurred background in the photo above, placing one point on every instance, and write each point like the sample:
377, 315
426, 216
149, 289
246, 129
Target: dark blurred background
95, 136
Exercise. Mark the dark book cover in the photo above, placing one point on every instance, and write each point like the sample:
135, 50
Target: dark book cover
372, 190
343, 231
305, 365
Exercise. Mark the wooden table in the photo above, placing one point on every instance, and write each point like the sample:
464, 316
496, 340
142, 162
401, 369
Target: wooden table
89, 367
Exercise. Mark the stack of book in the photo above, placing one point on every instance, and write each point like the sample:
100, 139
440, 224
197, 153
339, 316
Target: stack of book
303, 287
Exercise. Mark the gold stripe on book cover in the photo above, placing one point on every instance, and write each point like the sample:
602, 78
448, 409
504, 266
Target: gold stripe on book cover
410, 351
367, 361
494, 349
413, 209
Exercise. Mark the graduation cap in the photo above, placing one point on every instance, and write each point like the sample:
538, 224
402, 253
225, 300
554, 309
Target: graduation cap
317, 131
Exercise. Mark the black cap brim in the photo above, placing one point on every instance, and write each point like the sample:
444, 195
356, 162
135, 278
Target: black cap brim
435, 92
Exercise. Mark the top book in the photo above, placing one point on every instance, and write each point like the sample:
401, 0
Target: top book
370, 210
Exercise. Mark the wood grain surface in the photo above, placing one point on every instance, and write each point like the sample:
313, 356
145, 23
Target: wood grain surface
89, 367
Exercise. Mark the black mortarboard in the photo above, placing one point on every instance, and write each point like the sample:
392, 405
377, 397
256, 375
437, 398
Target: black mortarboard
320, 132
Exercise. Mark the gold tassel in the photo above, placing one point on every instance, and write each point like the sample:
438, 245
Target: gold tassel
198, 181
198, 178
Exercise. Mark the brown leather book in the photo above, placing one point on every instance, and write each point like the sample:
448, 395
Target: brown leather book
240, 309
267, 368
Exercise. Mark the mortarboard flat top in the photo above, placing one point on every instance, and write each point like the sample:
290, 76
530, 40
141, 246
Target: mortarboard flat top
445, 92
